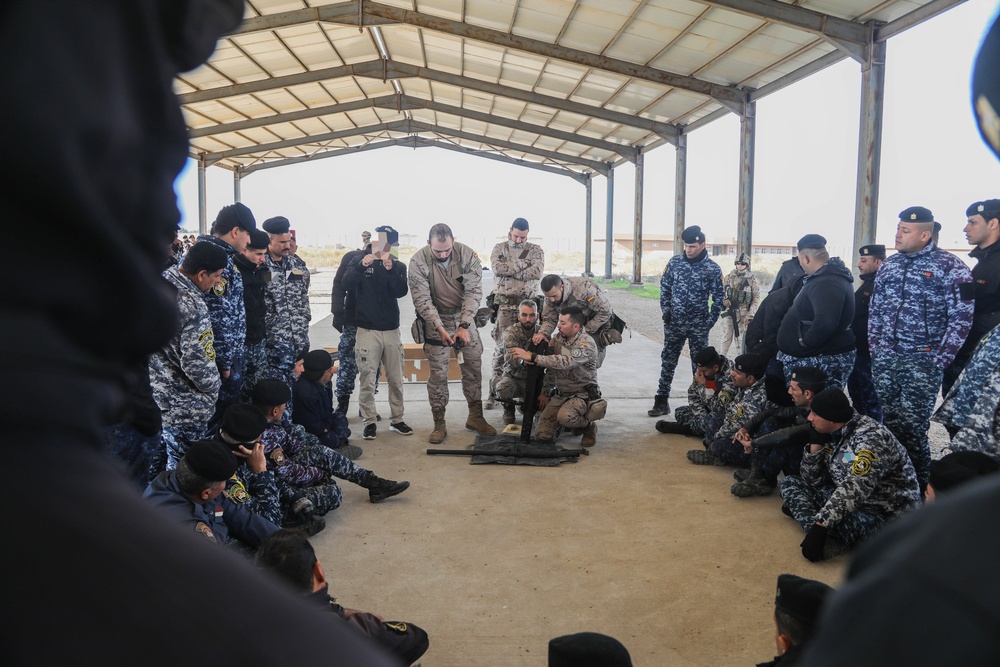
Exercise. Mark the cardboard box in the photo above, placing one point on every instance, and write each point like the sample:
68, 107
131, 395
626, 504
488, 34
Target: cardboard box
416, 368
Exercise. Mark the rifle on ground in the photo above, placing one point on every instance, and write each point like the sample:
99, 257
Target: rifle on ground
516, 450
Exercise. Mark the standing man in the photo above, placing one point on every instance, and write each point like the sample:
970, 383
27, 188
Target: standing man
378, 281
231, 232
183, 374
816, 330
691, 296
982, 231
860, 384
921, 312
517, 266
342, 306
585, 294
510, 385
299, 264
446, 285
789, 271
255, 276
286, 301
742, 293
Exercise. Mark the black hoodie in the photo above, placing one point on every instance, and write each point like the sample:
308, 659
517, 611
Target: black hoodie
819, 321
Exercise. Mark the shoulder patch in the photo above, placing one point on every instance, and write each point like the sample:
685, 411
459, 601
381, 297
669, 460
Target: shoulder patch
219, 288
863, 462
396, 626
202, 529
576, 353
207, 341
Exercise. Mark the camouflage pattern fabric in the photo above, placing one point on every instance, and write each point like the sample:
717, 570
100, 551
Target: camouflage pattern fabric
861, 387
509, 384
746, 403
258, 492
970, 409
176, 441
254, 366
837, 367
570, 367
227, 309
439, 357
742, 291
804, 501
348, 369
517, 268
287, 313
591, 299
704, 402
144, 455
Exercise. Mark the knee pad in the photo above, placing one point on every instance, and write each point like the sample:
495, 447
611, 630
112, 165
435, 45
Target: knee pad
596, 410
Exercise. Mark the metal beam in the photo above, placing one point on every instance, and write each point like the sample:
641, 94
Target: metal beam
291, 116
610, 222
869, 148
587, 270
202, 199
916, 17
680, 190
397, 126
748, 140
637, 227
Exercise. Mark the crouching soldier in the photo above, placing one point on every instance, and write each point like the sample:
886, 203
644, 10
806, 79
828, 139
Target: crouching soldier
572, 397
710, 392
510, 385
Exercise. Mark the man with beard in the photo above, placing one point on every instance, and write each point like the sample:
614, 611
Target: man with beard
509, 386
860, 385
586, 295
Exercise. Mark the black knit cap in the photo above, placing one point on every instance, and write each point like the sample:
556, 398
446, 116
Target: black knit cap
800, 598
809, 377
258, 240
277, 225
270, 393
211, 460
811, 241
236, 215
693, 234
751, 364
877, 251
832, 405
588, 649
244, 423
960, 467
318, 361
706, 356
207, 255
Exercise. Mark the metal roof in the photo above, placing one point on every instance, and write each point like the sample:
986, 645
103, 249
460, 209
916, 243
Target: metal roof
570, 87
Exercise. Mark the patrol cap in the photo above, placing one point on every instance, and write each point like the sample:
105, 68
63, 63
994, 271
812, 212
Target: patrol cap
391, 235
693, 234
318, 361
258, 240
750, 363
277, 225
811, 241
235, 215
271, 392
877, 251
986, 88
989, 208
960, 467
588, 649
800, 598
204, 256
211, 460
244, 423
809, 377
706, 356
519, 223
832, 405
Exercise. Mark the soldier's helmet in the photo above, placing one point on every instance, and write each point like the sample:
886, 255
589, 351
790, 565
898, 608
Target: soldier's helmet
743, 259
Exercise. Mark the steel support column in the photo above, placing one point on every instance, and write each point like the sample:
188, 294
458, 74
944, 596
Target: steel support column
869, 146
637, 228
587, 271
237, 181
748, 135
680, 190
202, 204
610, 225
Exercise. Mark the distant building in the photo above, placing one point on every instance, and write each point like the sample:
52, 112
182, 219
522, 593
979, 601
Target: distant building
716, 245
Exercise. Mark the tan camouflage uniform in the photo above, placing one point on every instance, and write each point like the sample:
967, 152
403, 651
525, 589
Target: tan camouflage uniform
458, 290
570, 368
517, 268
591, 299
509, 385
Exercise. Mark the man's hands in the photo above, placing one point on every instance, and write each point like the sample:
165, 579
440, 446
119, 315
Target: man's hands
699, 377
450, 339
743, 437
543, 400
254, 457
538, 338
815, 540
368, 260
521, 353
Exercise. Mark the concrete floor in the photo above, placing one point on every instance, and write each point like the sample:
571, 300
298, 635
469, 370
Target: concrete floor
632, 541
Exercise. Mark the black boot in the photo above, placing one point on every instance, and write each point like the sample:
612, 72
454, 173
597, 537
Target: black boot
660, 406
379, 489
343, 402
663, 426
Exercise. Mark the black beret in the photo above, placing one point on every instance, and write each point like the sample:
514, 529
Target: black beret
751, 364
270, 392
318, 361
588, 649
916, 214
244, 423
211, 460
960, 467
520, 223
206, 255
811, 241
875, 250
832, 405
706, 356
802, 599
988, 209
277, 225
986, 88
258, 240
236, 215
692, 235
809, 377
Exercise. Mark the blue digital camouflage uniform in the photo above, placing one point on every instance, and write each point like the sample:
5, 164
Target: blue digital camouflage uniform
921, 312
183, 374
860, 384
775, 459
691, 295
257, 491
858, 481
348, 370
707, 404
229, 324
744, 406
837, 367
287, 315
969, 411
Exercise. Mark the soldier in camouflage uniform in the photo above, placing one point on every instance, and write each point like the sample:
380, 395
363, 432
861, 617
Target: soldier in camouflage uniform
850, 484
572, 397
183, 374
286, 301
509, 386
691, 296
741, 296
710, 392
585, 294
860, 384
970, 411
517, 267
252, 485
446, 285
921, 312
231, 232
722, 448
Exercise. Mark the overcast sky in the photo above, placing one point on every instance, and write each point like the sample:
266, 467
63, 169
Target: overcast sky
806, 163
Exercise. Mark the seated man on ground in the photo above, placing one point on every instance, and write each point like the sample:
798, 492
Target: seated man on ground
797, 606
855, 476
774, 437
193, 495
957, 469
313, 397
722, 448
290, 556
510, 385
308, 466
588, 649
710, 392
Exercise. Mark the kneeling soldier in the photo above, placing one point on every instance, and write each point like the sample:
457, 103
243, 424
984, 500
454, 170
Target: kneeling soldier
509, 386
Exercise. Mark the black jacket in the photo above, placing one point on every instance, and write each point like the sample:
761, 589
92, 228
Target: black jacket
762, 332
342, 303
313, 405
253, 296
986, 278
862, 302
819, 321
789, 271
376, 293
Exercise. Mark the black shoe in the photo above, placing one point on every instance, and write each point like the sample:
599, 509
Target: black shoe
660, 406
379, 489
401, 428
353, 452
664, 426
787, 512
314, 525
369, 432
703, 457
741, 474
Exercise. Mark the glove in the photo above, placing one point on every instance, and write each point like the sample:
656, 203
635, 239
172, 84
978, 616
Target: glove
666, 317
337, 324
812, 545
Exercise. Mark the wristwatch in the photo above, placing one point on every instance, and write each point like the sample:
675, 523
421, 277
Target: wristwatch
464, 325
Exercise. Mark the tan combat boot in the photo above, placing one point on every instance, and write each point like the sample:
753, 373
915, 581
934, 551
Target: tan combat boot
440, 431
475, 422
589, 436
508, 413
